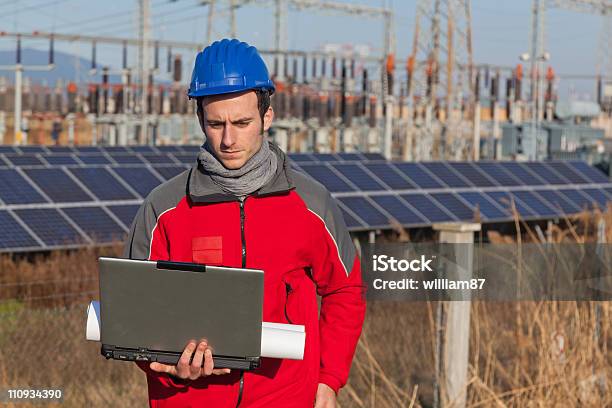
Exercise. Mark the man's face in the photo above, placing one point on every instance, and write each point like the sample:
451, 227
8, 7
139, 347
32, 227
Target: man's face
233, 127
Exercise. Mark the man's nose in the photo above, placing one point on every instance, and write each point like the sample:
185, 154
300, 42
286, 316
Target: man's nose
228, 138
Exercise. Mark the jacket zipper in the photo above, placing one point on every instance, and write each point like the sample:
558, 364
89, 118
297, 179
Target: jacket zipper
242, 239
243, 244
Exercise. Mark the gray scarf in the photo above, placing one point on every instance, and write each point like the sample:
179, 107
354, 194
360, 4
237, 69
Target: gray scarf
253, 175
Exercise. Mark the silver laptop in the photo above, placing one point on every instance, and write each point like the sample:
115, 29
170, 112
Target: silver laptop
149, 310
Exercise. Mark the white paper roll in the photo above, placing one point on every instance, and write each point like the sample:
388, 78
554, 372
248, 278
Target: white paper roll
93, 321
278, 340
286, 342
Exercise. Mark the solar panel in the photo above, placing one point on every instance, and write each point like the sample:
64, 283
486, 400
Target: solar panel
13, 234
93, 159
567, 172
373, 156
88, 149
498, 173
418, 175
126, 158
598, 196
522, 174
326, 157
558, 201
57, 185
426, 206
590, 173
188, 158
487, 209
358, 176
96, 223
158, 158
23, 159
389, 175
14, 189
8, 149
577, 198
143, 149
32, 149
60, 149
454, 205
50, 226
505, 201
102, 183
545, 173
190, 148
169, 172
446, 174
535, 204
125, 213
394, 206
141, 179
470, 172
327, 177
366, 211
59, 159
116, 149
351, 156
169, 148
302, 157
349, 220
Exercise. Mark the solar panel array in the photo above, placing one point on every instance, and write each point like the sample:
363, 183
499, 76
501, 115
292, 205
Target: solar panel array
60, 197
382, 194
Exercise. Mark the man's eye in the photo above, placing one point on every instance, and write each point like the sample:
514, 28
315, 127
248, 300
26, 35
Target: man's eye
215, 125
242, 124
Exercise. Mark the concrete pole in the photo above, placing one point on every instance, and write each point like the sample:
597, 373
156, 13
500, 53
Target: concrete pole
453, 374
211, 17
496, 135
145, 37
70, 118
388, 127
17, 110
232, 16
476, 139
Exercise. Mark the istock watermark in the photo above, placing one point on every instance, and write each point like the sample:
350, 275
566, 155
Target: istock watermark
496, 272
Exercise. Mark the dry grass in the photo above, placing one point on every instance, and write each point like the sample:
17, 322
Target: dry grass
516, 355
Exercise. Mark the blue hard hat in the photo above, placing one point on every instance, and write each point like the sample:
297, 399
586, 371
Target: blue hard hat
228, 66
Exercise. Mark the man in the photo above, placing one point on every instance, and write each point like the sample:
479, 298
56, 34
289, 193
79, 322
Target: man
241, 205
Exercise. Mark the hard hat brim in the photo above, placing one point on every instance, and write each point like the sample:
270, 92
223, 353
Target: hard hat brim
226, 89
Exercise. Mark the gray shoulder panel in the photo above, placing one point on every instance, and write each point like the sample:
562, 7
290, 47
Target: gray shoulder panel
162, 198
319, 200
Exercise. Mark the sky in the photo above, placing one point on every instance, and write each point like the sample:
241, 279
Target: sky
501, 29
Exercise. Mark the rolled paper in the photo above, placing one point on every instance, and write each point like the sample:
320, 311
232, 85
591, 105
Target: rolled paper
282, 341
93, 321
278, 340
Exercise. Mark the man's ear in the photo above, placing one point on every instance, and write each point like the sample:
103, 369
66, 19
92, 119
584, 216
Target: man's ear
268, 118
200, 113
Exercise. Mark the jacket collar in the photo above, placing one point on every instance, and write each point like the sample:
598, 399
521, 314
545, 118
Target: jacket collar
201, 188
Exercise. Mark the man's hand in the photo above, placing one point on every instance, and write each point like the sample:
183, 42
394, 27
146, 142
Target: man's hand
326, 397
202, 364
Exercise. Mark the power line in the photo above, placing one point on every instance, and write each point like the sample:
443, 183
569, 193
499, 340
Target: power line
129, 22
170, 22
34, 7
105, 16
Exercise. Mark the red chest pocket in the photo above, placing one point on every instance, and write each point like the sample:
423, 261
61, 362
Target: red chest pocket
207, 250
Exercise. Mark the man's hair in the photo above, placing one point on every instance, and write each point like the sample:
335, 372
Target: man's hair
263, 103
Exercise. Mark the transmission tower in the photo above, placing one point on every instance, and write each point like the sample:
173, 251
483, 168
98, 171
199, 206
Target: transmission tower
537, 44
440, 81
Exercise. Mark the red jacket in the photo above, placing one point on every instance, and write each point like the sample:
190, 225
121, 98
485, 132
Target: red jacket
293, 230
